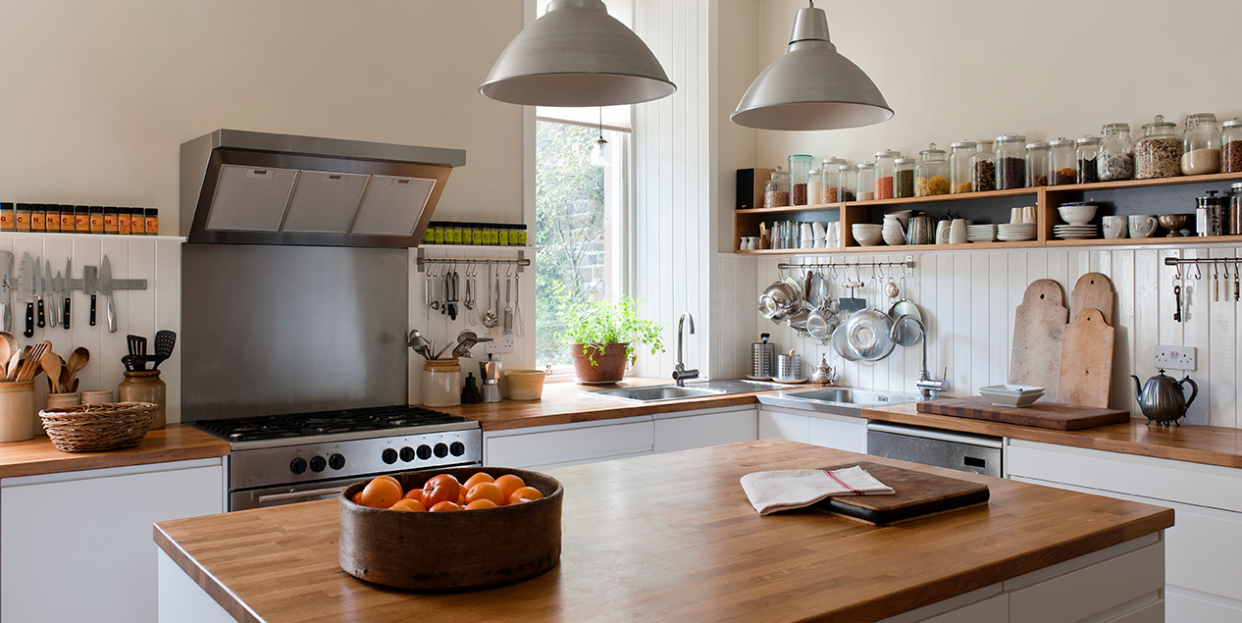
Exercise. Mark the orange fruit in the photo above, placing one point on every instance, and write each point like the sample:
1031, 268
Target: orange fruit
380, 493
357, 499
445, 506
525, 494
394, 480
486, 491
414, 494
442, 488
476, 479
406, 504
508, 484
480, 503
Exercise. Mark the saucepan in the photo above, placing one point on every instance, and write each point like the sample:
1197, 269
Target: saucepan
780, 299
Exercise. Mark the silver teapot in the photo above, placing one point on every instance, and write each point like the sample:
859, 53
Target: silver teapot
1163, 398
824, 374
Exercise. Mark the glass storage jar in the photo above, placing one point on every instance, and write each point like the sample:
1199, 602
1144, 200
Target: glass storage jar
931, 175
983, 167
961, 177
864, 184
1231, 146
903, 177
1010, 161
1201, 145
1062, 162
814, 186
1116, 158
1087, 151
799, 174
885, 165
1159, 152
832, 179
1235, 209
776, 191
1036, 164
847, 175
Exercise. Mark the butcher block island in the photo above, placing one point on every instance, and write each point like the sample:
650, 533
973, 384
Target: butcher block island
672, 537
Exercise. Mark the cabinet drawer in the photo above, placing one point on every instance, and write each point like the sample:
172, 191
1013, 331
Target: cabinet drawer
842, 434
701, 431
776, 425
1134, 578
570, 447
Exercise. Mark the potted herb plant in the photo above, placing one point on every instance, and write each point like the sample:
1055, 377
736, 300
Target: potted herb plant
603, 337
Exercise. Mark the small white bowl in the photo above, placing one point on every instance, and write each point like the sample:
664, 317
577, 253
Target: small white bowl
1077, 213
1006, 399
867, 234
893, 237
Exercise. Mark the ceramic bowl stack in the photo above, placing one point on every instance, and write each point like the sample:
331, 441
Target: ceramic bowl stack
1014, 232
1076, 232
867, 234
1011, 395
980, 233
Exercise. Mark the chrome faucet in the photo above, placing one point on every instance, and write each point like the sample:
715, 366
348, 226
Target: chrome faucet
928, 387
680, 373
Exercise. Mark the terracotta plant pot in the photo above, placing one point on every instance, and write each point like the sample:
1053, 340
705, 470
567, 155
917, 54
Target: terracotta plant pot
609, 368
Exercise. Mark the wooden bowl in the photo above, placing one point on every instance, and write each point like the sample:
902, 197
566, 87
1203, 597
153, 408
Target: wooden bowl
453, 551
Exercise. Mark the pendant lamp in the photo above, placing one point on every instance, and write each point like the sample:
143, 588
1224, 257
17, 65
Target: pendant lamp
601, 154
811, 87
576, 55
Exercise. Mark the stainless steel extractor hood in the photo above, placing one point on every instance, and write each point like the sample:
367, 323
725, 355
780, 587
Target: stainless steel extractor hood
256, 188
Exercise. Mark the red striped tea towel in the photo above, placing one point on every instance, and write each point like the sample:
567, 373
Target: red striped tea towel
770, 492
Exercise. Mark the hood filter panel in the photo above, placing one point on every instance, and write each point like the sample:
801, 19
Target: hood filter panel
250, 198
324, 203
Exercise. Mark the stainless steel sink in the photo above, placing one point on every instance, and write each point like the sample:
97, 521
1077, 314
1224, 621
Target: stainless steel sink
721, 387
837, 400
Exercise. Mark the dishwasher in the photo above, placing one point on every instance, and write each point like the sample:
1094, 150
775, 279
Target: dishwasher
978, 454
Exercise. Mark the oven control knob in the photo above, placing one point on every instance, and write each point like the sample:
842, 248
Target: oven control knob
336, 461
457, 448
424, 452
407, 454
441, 450
317, 464
389, 456
297, 465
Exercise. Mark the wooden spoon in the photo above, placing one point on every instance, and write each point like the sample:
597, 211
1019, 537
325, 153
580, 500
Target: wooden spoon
77, 361
15, 362
52, 366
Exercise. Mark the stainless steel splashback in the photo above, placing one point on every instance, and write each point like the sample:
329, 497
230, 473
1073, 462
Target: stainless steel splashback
285, 329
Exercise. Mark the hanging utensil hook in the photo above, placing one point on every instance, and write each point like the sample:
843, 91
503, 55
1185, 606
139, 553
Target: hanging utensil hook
1198, 272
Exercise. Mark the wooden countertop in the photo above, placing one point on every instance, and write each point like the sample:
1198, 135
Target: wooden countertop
176, 442
672, 537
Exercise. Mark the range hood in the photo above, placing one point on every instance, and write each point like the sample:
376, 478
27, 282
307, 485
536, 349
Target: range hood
255, 188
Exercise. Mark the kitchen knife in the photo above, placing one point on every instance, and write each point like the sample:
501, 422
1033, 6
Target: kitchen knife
68, 290
51, 300
38, 289
25, 288
105, 284
58, 293
6, 290
90, 285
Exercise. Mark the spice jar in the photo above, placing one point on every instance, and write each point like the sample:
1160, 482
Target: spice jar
97, 219
776, 191
961, 176
847, 176
885, 165
1087, 152
1062, 162
931, 175
1159, 152
1036, 164
864, 183
144, 386
903, 178
831, 190
1201, 145
111, 225
1231, 146
1116, 158
1010, 161
983, 166
82, 220
441, 383
799, 174
22, 218
38, 217
6, 216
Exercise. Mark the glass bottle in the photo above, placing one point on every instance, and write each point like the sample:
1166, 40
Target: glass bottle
1010, 161
1231, 146
776, 191
961, 177
799, 174
847, 175
931, 175
1036, 164
884, 167
1159, 152
864, 184
1201, 145
983, 165
1116, 159
832, 179
903, 178
1062, 162
1087, 152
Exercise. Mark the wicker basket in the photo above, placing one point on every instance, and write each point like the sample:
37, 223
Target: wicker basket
98, 427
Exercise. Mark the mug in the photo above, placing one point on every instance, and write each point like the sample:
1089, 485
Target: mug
1114, 226
957, 231
1016, 217
1028, 215
1142, 225
942, 232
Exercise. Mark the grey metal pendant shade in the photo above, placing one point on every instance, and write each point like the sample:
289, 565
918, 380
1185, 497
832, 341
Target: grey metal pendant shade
811, 87
576, 55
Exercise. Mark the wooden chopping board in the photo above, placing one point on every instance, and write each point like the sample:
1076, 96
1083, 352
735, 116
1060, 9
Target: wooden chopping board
1093, 291
1037, 326
1086, 360
915, 495
1039, 415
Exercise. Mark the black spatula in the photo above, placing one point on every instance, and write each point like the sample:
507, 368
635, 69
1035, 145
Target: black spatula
164, 343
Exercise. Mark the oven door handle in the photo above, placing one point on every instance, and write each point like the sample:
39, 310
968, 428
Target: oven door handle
298, 495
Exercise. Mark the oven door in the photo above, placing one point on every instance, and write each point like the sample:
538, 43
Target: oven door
304, 492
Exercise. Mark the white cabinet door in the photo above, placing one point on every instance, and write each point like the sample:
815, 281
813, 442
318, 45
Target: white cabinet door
709, 429
840, 432
780, 425
545, 447
78, 547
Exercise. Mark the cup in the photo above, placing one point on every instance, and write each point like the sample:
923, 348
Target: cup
942, 232
1016, 217
1142, 225
957, 231
1114, 226
1028, 215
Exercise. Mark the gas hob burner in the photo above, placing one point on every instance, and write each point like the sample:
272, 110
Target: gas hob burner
354, 423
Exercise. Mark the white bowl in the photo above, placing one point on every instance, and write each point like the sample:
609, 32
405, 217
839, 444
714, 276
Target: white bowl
1005, 399
1016, 390
1077, 213
893, 237
867, 234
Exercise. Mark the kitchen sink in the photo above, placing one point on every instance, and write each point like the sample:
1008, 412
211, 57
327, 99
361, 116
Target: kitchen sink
836, 400
701, 389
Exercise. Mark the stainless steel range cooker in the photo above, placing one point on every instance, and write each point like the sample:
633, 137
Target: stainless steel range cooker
282, 459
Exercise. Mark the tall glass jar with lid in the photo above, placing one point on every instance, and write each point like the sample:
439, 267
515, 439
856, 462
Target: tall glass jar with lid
961, 177
815, 186
983, 167
1062, 162
1036, 164
799, 174
1116, 159
885, 164
903, 178
1201, 145
847, 175
776, 191
831, 192
1087, 151
1159, 152
931, 175
864, 183
1010, 161
1231, 146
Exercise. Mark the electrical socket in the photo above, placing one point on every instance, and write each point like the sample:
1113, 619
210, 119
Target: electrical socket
1175, 357
503, 344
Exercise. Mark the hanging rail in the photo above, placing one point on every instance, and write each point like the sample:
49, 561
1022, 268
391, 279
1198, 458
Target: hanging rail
908, 264
422, 261
1177, 261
